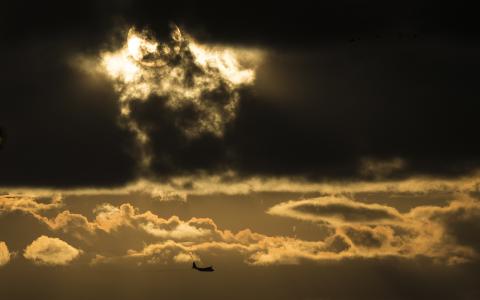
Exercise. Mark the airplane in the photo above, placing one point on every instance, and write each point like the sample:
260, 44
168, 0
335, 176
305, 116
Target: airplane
207, 269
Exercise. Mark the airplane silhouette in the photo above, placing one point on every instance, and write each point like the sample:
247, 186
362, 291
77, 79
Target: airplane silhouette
207, 269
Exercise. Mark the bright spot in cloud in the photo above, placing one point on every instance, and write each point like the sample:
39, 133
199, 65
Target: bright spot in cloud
189, 75
184, 71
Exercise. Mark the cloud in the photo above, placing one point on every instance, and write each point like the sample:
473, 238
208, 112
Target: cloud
443, 233
459, 220
282, 101
194, 84
51, 82
447, 233
2, 138
179, 188
111, 218
184, 71
336, 210
50, 251
14, 202
406, 238
265, 251
4, 254
381, 168
369, 237
180, 231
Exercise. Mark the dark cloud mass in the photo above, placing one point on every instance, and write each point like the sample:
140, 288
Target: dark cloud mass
340, 83
405, 89
63, 125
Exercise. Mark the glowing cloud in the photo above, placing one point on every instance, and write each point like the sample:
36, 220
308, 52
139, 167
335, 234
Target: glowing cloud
336, 210
20, 202
50, 251
4, 254
186, 73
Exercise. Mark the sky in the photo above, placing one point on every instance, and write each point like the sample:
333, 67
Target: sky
305, 150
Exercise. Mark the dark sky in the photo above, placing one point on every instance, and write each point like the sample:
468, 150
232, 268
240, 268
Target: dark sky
341, 82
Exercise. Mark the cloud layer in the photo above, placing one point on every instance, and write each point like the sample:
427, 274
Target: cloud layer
446, 234
430, 231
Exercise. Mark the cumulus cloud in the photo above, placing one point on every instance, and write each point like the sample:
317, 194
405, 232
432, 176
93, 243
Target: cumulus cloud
30, 204
443, 233
180, 231
50, 251
4, 254
110, 218
406, 238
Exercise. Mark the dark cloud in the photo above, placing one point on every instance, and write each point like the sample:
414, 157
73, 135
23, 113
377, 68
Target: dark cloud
461, 222
173, 152
325, 111
404, 88
62, 125
365, 237
2, 138
269, 22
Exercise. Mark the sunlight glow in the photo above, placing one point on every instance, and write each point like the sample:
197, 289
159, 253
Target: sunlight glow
184, 71
187, 74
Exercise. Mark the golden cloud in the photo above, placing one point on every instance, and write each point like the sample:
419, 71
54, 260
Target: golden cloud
4, 254
183, 71
336, 210
25, 203
180, 187
50, 251
407, 238
443, 233
378, 230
